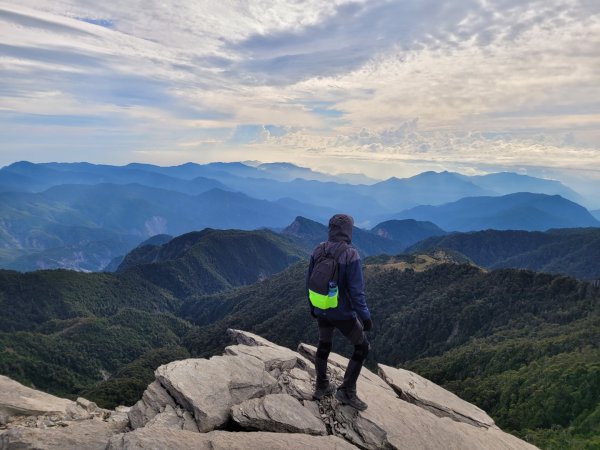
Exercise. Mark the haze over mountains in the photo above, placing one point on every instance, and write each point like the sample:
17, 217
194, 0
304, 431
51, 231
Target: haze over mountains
520, 211
83, 216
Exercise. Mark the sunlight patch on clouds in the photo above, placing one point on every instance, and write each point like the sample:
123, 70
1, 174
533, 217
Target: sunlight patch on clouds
407, 144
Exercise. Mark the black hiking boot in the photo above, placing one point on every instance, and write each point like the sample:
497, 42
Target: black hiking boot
324, 387
346, 393
350, 399
323, 391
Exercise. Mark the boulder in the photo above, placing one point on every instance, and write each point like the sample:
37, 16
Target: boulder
169, 438
208, 388
415, 389
34, 419
87, 405
250, 339
19, 400
153, 401
280, 413
174, 418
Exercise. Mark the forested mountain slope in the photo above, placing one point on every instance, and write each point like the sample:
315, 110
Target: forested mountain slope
210, 260
573, 252
64, 331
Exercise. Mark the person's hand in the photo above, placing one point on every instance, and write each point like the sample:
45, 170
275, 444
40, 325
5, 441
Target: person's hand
367, 324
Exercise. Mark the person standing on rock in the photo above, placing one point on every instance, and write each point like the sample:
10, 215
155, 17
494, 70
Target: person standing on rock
335, 289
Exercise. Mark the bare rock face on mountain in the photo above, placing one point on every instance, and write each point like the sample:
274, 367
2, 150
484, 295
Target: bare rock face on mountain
259, 395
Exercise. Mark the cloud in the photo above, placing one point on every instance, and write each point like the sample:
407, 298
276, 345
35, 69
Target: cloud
406, 150
345, 41
428, 83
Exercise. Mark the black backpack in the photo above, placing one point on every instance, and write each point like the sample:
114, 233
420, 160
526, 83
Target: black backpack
323, 288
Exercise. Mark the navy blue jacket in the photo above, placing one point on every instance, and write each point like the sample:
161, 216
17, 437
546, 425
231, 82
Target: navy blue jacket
351, 300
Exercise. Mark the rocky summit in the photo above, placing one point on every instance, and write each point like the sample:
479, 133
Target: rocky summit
256, 395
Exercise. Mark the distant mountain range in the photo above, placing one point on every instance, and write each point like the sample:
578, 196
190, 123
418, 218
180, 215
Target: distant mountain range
280, 180
407, 231
85, 216
85, 226
520, 211
307, 234
596, 213
390, 237
188, 178
504, 183
571, 252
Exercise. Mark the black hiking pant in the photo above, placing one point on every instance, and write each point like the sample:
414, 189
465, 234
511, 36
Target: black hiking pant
352, 329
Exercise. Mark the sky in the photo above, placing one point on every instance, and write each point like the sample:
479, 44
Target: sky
386, 88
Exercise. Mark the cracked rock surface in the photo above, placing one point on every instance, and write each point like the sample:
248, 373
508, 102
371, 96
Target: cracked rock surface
277, 412
258, 395
415, 389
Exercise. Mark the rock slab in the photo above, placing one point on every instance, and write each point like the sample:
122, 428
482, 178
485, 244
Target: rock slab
168, 438
90, 434
415, 389
19, 400
208, 388
154, 401
280, 413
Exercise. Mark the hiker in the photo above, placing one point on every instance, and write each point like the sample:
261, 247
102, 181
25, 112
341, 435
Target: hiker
335, 288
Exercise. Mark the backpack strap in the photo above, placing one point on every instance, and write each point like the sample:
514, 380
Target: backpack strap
322, 254
341, 249
336, 256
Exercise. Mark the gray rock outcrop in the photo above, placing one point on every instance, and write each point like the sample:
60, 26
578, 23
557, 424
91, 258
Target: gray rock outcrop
259, 395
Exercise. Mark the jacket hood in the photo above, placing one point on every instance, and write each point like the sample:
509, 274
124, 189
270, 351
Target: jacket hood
340, 228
